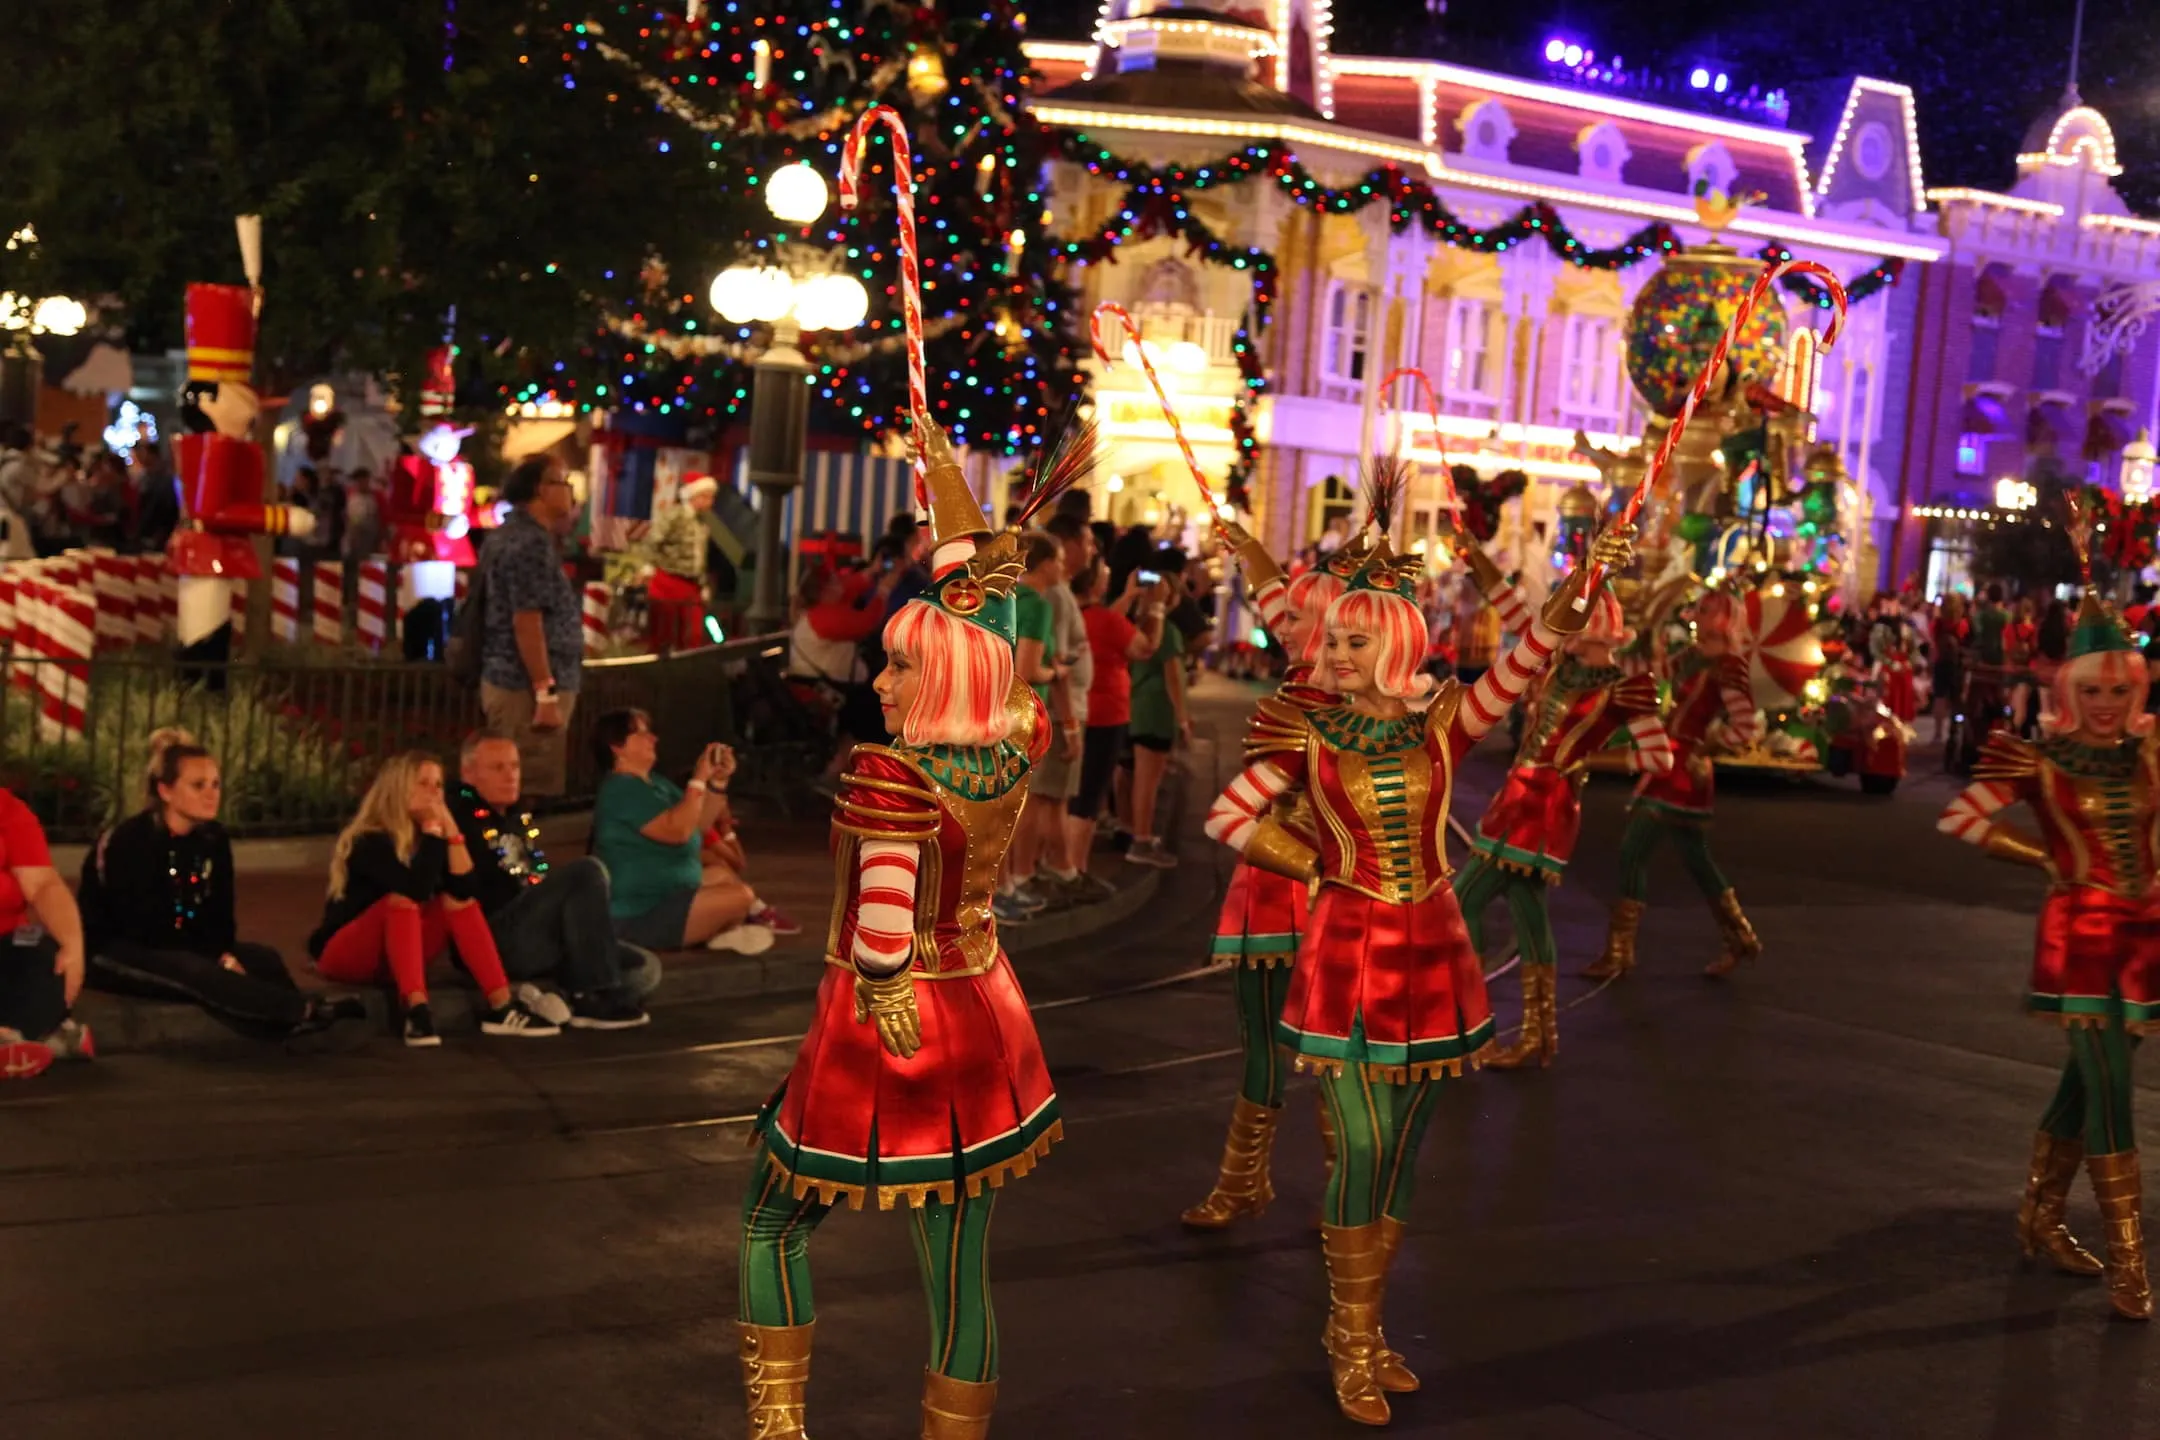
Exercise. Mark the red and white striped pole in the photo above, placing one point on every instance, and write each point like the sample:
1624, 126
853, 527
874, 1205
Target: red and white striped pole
375, 603
71, 636
239, 611
328, 606
149, 587
29, 578
112, 584
596, 618
285, 599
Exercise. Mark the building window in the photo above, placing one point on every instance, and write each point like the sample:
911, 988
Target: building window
2047, 356
1472, 367
1590, 369
1972, 454
1348, 334
1986, 331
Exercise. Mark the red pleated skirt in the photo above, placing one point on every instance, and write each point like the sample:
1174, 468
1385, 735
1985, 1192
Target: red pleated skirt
973, 1107
2098, 957
1395, 989
1262, 917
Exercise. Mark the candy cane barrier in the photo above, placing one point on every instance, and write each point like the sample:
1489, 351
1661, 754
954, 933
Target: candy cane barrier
149, 599
112, 585
1757, 293
910, 255
375, 604
1432, 409
1162, 396
239, 589
285, 599
327, 604
595, 612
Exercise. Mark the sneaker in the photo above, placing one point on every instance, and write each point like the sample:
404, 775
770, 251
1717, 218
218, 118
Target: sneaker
604, 1010
1150, 852
420, 1028
72, 1041
773, 918
21, 1059
744, 939
1008, 911
514, 1019
1030, 896
1087, 890
544, 1003
324, 1012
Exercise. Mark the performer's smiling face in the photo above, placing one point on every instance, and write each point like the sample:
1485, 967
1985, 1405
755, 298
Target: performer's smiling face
1351, 657
896, 685
2104, 700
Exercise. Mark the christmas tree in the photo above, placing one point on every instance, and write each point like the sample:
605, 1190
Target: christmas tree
766, 83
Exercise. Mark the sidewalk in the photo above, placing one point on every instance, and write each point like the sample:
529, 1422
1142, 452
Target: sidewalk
280, 886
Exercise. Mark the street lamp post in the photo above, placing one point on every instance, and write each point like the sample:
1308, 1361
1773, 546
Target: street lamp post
806, 291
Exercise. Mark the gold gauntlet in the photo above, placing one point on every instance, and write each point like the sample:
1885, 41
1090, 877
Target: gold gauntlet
1560, 614
1260, 568
2006, 842
889, 1002
1489, 580
1274, 848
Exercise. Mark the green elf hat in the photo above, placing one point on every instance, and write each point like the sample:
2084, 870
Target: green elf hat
2097, 630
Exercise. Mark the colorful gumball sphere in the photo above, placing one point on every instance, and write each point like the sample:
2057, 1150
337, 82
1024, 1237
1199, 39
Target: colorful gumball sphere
1679, 315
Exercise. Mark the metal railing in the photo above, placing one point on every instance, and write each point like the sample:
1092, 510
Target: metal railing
299, 738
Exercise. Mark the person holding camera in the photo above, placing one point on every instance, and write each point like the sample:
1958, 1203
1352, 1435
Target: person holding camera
648, 832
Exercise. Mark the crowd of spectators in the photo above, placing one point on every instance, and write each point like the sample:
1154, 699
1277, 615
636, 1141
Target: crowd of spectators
61, 497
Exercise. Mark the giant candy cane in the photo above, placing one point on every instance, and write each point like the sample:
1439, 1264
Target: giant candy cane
1432, 409
1162, 396
1757, 293
910, 255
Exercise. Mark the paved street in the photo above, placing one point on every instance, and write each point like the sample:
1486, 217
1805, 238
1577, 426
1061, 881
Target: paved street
1777, 1207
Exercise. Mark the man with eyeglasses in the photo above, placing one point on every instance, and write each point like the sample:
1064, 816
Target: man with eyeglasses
533, 644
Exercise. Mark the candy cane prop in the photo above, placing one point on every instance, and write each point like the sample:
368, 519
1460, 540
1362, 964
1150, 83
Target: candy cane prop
910, 255
1162, 396
1432, 409
1757, 293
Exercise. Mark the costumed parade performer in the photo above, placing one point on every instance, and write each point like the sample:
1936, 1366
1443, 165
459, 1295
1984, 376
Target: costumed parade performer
1523, 843
1712, 710
221, 471
1263, 914
2093, 785
921, 1083
1387, 995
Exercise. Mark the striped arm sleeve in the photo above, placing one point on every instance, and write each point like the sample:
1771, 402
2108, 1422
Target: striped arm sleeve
885, 906
1516, 615
1653, 752
1499, 688
1272, 600
1970, 816
1741, 716
1237, 812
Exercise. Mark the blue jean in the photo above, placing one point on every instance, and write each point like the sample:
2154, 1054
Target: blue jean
559, 930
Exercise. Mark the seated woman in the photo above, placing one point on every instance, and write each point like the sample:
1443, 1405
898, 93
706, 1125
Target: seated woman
41, 952
157, 894
648, 832
401, 879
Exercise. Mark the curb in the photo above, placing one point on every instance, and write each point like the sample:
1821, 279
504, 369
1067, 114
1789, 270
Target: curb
126, 1024
312, 852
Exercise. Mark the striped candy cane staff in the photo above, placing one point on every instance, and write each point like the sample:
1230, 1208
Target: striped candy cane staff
1757, 293
910, 253
1432, 409
1162, 396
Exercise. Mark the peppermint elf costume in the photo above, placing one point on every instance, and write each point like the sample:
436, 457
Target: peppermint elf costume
1523, 843
1263, 913
2096, 966
1387, 996
921, 1083
1711, 709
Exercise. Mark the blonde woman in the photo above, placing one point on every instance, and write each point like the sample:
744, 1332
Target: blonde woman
401, 880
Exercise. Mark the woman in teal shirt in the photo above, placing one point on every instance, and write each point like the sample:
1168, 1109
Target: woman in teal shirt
649, 833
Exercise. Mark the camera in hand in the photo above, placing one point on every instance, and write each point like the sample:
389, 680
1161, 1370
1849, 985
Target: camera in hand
1148, 577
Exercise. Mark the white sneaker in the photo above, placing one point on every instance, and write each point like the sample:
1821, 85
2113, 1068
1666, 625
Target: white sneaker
544, 1003
743, 939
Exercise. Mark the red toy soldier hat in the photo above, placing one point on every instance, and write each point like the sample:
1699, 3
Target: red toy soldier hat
220, 333
439, 395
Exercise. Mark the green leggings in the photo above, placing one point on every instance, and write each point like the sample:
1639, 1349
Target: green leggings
1478, 883
951, 1246
1378, 1128
1645, 827
1260, 991
2093, 1101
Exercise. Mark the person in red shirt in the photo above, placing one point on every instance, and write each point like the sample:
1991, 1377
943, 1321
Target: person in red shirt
836, 612
1115, 641
41, 968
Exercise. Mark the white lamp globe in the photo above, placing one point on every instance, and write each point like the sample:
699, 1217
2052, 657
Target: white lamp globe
831, 302
796, 193
749, 294
1187, 358
58, 315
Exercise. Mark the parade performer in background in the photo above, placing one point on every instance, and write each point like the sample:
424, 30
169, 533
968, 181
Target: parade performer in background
221, 472
1711, 710
1264, 913
675, 590
2093, 785
921, 1082
1386, 996
1528, 833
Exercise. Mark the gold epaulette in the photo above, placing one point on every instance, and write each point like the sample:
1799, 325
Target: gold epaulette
1440, 715
1635, 696
1024, 705
2006, 759
881, 807
1279, 727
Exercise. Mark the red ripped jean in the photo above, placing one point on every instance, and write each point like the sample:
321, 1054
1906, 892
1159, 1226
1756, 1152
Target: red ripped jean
396, 933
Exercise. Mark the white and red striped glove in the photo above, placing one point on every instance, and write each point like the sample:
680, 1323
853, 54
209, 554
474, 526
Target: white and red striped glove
1500, 687
1653, 752
1970, 816
1237, 812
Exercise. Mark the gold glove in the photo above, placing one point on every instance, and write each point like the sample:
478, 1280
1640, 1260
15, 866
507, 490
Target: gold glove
2007, 842
890, 1002
1567, 609
1252, 557
1274, 848
1489, 580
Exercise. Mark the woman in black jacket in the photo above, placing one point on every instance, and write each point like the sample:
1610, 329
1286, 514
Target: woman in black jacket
157, 902
401, 883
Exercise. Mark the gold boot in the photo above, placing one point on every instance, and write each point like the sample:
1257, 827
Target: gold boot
2116, 1185
956, 1409
776, 1378
1357, 1279
2047, 1191
1619, 956
1734, 933
1539, 1041
1243, 1187
1390, 1371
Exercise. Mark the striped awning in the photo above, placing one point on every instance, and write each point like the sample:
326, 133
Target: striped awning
844, 492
